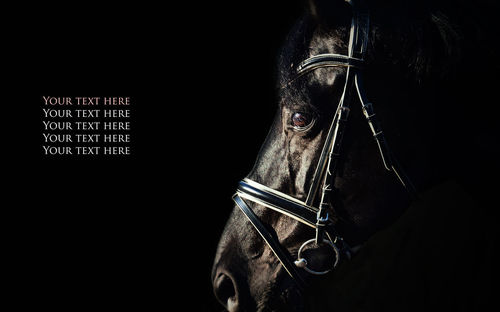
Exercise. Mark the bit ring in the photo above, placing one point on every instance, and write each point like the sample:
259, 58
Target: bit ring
302, 262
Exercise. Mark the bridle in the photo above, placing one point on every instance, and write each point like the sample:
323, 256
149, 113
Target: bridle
304, 211
316, 216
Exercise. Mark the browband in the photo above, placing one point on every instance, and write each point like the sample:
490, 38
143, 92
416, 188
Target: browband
327, 60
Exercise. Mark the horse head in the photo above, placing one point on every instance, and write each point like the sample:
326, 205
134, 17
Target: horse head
327, 177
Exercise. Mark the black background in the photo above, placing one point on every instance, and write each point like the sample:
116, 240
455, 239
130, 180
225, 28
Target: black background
138, 231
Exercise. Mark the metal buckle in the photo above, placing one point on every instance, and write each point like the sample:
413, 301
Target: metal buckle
302, 262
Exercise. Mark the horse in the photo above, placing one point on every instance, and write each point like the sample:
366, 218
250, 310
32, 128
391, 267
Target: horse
358, 199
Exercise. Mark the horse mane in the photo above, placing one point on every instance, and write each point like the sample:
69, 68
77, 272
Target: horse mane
433, 37
429, 38
449, 50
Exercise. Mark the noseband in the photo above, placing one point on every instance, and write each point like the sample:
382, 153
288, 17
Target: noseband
316, 216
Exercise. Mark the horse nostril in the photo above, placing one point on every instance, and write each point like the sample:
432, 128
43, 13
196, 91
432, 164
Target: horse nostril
225, 291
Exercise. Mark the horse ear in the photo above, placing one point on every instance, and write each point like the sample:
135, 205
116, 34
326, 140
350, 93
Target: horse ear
330, 12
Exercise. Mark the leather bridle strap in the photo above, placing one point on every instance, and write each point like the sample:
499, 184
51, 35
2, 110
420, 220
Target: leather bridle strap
272, 242
327, 60
277, 201
294, 208
289, 206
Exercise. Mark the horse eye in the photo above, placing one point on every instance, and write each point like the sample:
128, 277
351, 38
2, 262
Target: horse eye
301, 121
